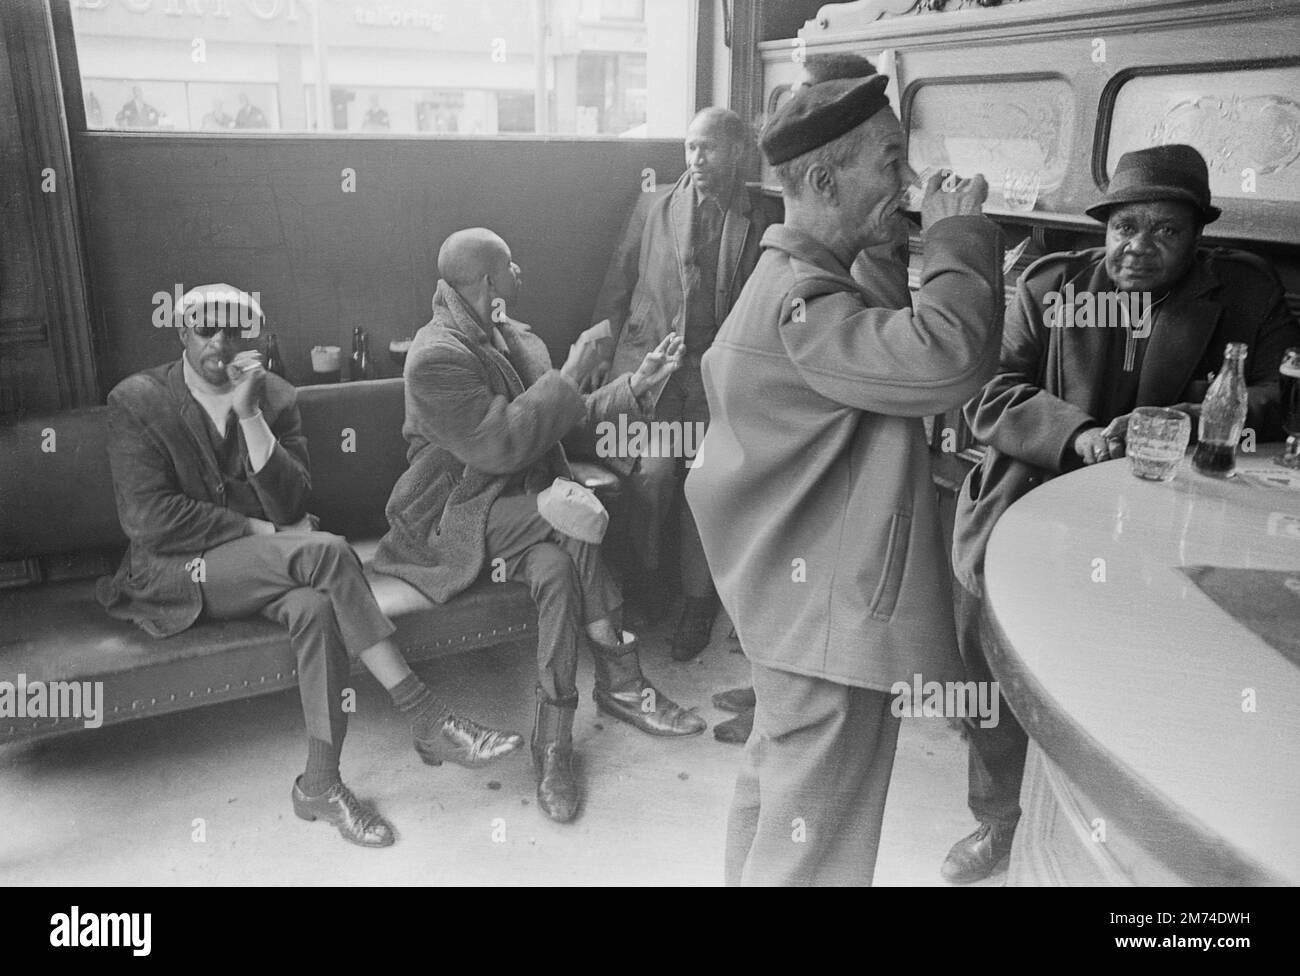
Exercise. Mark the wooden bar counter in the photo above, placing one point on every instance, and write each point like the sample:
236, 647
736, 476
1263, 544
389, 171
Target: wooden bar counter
1165, 733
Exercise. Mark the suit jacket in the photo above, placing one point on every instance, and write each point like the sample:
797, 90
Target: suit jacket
476, 421
170, 493
813, 491
1053, 382
643, 292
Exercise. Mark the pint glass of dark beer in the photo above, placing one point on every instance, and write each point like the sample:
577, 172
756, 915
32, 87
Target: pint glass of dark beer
1289, 386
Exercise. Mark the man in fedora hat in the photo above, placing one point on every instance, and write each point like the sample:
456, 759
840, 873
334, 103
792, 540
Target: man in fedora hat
1090, 336
815, 502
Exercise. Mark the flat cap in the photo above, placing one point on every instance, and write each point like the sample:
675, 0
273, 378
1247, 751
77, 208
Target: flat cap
233, 307
820, 113
574, 510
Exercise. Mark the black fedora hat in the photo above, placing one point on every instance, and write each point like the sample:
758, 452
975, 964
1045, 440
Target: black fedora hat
1173, 172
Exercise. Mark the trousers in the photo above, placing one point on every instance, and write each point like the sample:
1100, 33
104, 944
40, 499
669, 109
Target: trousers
656, 482
995, 755
311, 583
567, 579
810, 795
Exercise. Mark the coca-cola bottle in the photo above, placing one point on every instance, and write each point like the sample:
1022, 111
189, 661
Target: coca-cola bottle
1223, 414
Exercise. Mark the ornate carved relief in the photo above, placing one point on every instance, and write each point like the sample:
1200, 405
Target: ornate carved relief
866, 11
1262, 131
1246, 123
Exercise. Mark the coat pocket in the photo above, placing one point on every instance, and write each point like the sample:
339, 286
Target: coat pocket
895, 562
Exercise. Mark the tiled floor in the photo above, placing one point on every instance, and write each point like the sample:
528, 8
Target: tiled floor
202, 797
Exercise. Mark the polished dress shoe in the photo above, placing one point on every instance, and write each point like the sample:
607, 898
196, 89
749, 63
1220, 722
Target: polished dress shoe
358, 822
735, 730
694, 627
552, 746
464, 741
623, 692
975, 857
736, 700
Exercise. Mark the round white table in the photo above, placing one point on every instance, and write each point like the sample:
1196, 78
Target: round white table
1165, 733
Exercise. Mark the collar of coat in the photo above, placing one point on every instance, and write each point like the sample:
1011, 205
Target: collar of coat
1180, 334
817, 270
526, 358
279, 395
736, 227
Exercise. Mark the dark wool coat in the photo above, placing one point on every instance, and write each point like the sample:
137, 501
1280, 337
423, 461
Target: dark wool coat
1053, 382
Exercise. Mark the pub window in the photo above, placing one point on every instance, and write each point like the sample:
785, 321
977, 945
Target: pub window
613, 68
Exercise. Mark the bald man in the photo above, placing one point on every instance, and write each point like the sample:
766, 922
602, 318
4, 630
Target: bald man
485, 413
685, 255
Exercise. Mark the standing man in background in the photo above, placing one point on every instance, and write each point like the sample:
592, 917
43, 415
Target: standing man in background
684, 257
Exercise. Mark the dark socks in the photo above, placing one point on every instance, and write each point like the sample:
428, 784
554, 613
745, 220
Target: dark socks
425, 711
322, 770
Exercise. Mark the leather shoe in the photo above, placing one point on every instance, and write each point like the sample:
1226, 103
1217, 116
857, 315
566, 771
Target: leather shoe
558, 794
736, 700
975, 857
735, 730
357, 822
694, 627
464, 741
625, 693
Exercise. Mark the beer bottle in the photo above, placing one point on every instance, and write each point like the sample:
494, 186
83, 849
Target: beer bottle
354, 373
274, 361
1223, 413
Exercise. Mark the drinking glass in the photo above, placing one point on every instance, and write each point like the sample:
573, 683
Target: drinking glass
1289, 388
1020, 189
1156, 441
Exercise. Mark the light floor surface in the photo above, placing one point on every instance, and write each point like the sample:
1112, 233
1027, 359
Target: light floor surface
202, 797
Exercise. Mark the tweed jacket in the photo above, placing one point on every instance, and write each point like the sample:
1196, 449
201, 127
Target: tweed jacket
171, 498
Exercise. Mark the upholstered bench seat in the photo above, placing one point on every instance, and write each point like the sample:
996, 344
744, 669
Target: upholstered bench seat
59, 632
59, 529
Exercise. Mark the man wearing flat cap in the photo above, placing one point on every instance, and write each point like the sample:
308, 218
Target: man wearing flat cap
1067, 381
211, 477
814, 501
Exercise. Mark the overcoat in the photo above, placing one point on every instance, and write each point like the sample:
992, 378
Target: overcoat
813, 491
478, 423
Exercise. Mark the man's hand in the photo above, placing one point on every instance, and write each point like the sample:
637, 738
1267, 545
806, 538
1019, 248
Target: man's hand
598, 376
308, 523
966, 198
260, 526
1102, 443
587, 354
659, 364
249, 378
